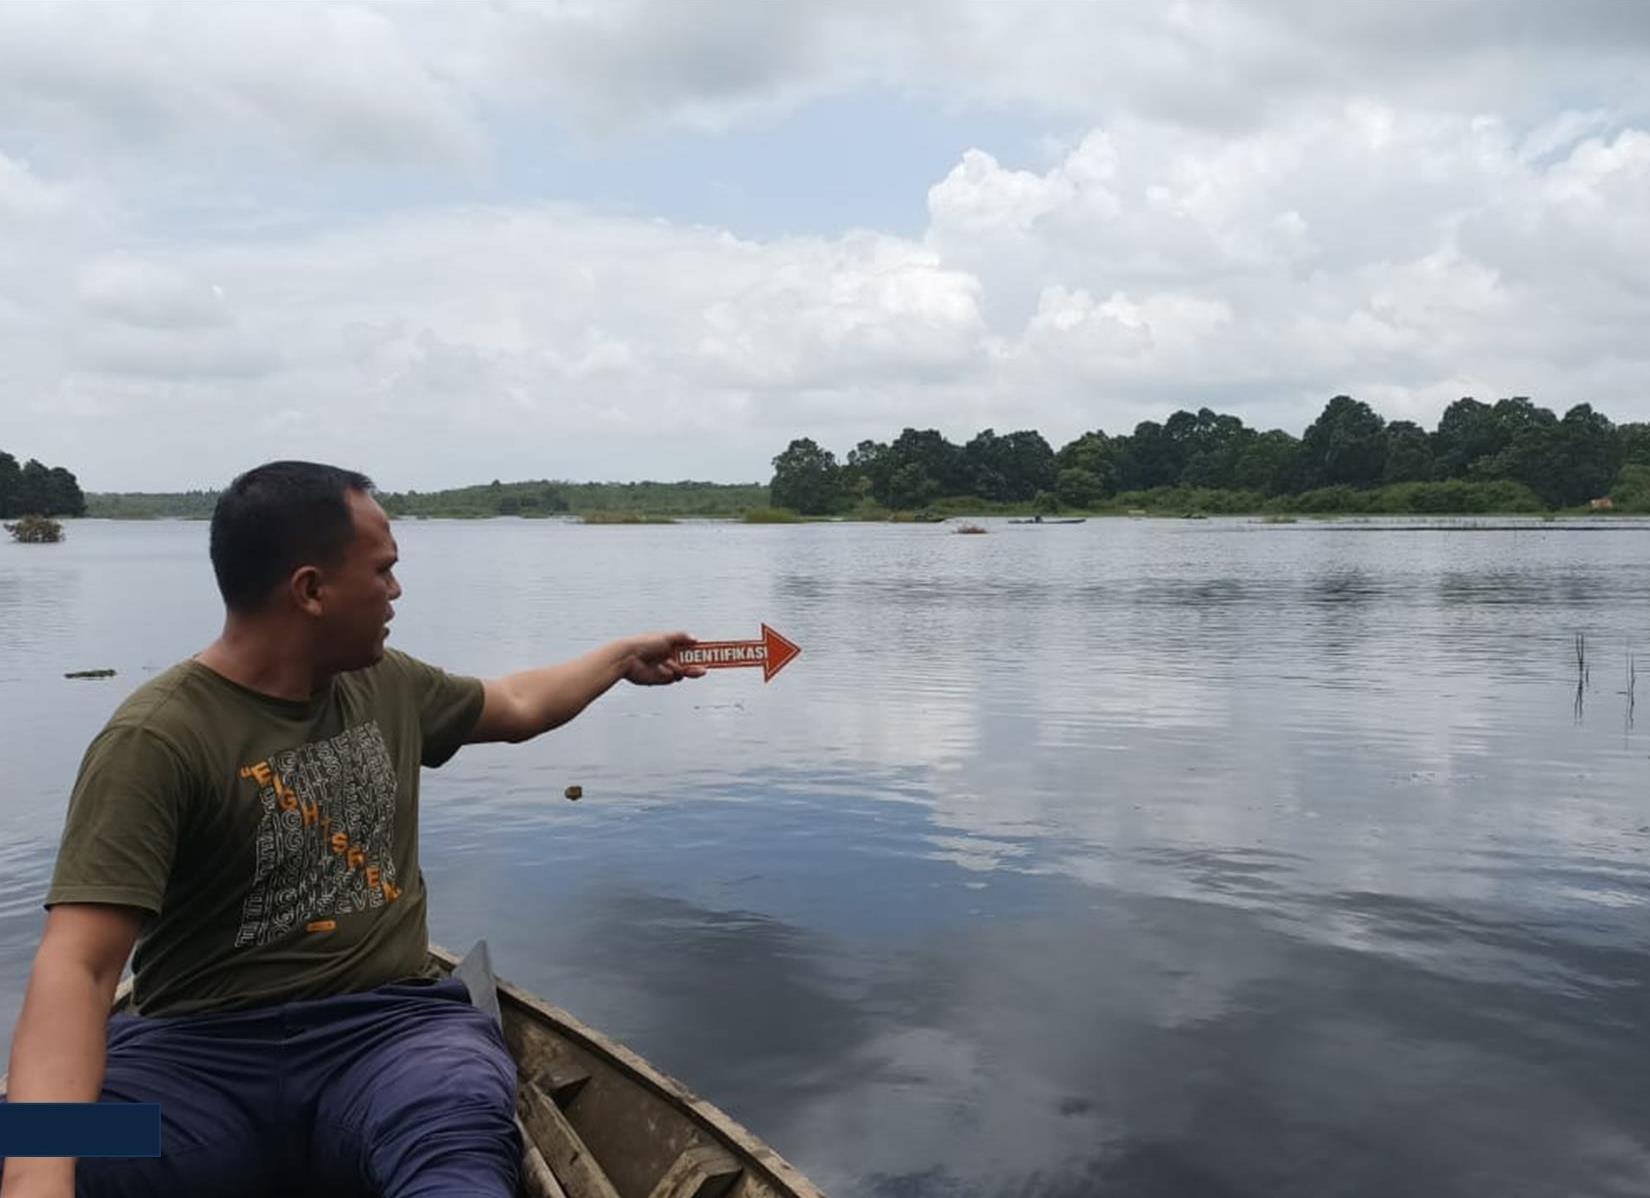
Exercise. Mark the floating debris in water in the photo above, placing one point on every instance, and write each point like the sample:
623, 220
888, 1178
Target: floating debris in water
574, 792
90, 674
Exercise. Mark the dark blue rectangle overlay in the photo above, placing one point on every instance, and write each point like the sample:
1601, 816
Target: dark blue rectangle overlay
79, 1129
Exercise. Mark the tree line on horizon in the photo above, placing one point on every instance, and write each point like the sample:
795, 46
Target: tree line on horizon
546, 497
34, 489
528, 498
1525, 455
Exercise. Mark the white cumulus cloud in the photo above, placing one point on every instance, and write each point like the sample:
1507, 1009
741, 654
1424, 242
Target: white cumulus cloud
1248, 205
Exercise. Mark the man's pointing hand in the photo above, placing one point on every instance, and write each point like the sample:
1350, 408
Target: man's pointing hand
653, 659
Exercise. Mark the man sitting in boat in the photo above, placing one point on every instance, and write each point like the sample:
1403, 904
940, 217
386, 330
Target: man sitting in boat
249, 820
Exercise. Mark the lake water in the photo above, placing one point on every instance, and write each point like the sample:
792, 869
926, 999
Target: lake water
1134, 857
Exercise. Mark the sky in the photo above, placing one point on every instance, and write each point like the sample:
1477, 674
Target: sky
446, 243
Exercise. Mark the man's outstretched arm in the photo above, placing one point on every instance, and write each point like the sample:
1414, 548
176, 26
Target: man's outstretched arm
519, 706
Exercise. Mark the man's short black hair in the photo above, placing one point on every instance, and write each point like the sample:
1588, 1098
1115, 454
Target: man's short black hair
278, 517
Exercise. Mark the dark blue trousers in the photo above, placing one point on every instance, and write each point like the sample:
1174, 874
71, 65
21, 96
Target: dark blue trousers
401, 1092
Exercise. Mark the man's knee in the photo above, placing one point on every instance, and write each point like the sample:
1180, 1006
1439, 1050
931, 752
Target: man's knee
457, 1138
460, 1062
476, 1084
434, 1111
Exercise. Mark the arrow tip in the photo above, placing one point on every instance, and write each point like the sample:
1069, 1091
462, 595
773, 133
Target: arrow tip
780, 654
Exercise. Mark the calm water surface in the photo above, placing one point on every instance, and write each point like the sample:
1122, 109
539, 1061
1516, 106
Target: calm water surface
1134, 857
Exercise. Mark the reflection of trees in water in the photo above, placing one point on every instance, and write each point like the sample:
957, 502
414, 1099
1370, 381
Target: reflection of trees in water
1525, 587
1350, 585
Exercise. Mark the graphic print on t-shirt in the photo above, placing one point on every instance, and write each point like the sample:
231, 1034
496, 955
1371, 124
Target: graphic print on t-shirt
325, 840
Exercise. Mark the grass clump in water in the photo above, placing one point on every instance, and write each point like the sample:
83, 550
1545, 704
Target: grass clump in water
36, 530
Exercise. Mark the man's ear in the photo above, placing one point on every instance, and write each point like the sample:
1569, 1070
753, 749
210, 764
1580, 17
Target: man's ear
305, 588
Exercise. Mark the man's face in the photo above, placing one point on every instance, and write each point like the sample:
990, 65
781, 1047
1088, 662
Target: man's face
358, 591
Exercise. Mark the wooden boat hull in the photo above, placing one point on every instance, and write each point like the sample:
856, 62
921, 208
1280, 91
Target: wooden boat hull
606, 1124
598, 1121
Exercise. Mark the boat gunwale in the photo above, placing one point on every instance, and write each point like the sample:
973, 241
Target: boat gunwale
745, 1144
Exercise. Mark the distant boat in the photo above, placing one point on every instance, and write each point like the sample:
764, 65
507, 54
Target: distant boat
1041, 520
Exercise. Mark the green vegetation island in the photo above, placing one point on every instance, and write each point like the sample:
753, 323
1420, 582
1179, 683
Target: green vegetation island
35, 489
1506, 458
1509, 457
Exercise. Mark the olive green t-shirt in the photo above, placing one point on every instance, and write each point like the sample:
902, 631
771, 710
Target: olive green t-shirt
273, 842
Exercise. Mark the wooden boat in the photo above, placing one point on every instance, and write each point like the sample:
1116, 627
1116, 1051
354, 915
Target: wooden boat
597, 1121
1046, 520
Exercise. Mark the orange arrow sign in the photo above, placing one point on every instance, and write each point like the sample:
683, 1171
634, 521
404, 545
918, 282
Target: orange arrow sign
773, 653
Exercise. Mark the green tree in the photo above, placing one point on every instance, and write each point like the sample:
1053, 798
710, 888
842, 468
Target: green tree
1206, 447
1566, 462
1093, 455
863, 463
1466, 432
1182, 437
806, 479
1149, 458
1078, 488
909, 486
919, 467
1633, 439
1584, 456
1518, 435
1032, 462
1344, 446
34, 490
1408, 453
1008, 469
1631, 490
63, 494
1485, 442
1511, 417
1267, 462
11, 483
984, 461
1205, 469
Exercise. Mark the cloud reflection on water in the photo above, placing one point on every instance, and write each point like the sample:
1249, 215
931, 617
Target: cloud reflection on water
1127, 857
